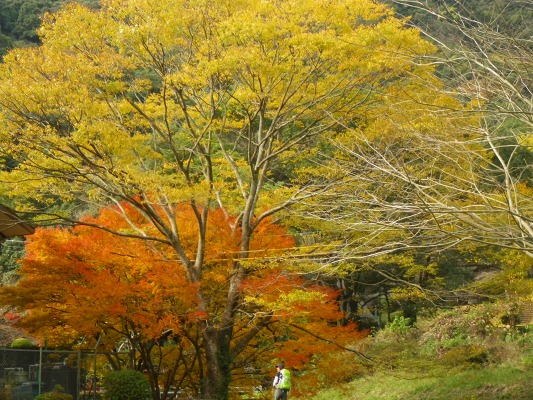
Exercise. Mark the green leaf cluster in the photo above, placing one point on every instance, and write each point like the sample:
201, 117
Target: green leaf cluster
58, 393
126, 385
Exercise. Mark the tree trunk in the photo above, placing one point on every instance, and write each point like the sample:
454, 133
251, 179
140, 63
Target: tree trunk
217, 352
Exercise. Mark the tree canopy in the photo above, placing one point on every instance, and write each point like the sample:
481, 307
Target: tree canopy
82, 283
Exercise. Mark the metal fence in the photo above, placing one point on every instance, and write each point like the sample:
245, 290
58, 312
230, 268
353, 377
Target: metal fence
25, 374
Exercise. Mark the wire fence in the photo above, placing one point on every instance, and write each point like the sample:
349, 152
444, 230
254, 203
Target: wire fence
25, 374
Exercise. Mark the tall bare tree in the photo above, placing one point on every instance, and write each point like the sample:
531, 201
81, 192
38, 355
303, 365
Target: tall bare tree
429, 174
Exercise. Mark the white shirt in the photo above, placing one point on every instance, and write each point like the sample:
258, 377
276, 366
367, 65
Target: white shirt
277, 379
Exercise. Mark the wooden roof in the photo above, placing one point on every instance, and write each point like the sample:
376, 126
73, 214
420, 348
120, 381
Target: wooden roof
11, 225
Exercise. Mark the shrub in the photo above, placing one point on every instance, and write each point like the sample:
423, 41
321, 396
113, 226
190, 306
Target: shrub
22, 343
126, 385
400, 325
461, 326
58, 393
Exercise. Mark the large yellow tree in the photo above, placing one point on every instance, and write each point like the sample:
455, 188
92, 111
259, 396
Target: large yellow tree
213, 104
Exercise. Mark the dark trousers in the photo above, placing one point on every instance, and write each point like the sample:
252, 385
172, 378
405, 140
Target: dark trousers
280, 394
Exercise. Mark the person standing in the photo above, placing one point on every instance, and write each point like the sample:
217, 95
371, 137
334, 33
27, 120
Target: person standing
282, 382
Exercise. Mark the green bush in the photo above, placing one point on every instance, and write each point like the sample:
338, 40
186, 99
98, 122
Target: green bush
400, 325
22, 343
58, 393
126, 385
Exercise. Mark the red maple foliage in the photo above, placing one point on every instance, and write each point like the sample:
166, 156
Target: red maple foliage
81, 283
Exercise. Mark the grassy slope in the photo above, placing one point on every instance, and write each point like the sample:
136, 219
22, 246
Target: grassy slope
409, 366
484, 384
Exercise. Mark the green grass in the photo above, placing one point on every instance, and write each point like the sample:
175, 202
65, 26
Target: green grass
491, 383
455, 356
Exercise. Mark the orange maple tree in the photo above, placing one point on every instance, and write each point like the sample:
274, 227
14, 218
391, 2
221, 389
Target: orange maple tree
83, 283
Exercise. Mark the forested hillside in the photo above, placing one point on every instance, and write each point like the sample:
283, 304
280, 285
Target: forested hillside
345, 186
20, 19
